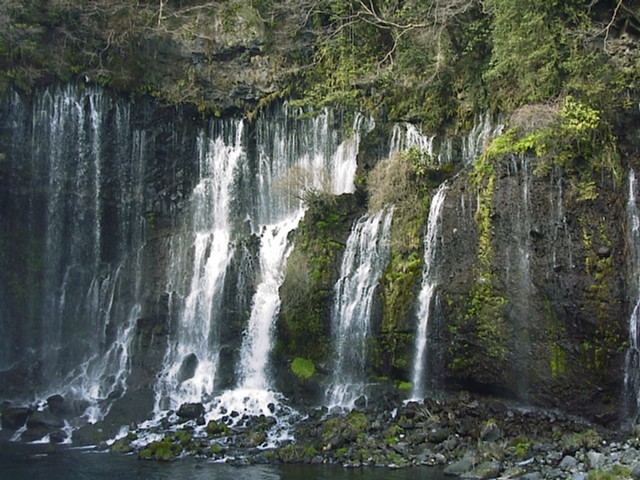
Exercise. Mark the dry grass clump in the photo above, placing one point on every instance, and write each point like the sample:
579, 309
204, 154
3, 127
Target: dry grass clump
534, 117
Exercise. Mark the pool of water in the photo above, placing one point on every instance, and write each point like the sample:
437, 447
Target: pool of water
38, 462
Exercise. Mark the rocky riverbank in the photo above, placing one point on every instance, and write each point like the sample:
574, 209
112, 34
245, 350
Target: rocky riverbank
467, 437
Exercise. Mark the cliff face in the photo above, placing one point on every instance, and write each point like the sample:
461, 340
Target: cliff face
134, 221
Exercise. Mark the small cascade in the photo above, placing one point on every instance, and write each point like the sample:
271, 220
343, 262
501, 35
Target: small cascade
483, 131
429, 283
632, 361
561, 232
191, 361
363, 263
405, 136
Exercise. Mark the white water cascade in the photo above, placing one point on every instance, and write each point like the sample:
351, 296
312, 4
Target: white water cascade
192, 357
483, 131
429, 283
405, 136
255, 182
365, 257
84, 246
632, 363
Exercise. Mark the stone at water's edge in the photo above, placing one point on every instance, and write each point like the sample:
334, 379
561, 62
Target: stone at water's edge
459, 468
191, 410
15, 417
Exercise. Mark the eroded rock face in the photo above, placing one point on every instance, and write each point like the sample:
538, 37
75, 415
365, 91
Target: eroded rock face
555, 264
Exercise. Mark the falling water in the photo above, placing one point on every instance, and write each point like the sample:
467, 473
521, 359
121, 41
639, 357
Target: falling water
405, 136
79, 141
255, 181
429, 282
518, 254
192, 358
306, 155
632, 364
483, 131
365, 258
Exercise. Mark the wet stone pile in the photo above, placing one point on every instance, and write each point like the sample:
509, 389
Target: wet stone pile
464, 437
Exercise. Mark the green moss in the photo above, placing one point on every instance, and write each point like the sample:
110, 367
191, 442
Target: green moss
163, 450
607, 339
405, 386
303, 368
306, 293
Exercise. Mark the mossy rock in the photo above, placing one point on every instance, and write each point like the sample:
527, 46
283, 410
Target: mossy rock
216, 429
302, 368
164, 451
122, 445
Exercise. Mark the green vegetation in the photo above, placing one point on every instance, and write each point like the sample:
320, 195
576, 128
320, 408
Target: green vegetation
303, 368
312, 267
404, 182
607, 339
483, 324
164, 450
588, 439
405, 386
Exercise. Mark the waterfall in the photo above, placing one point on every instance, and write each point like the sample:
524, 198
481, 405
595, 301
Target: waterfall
250, 183
363, 263
632, 363
83, 248
266, 303
192, 358
518, 254
479, 137
405, 136
429, 282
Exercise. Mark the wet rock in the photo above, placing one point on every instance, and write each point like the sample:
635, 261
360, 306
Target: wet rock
490, 432
216, 428
484, 471
604, 252
57, 405
459, 468
14, 418
360, 402
44, 420
58, 436
567, 462
190, 410
635, 473
188, 367
33, 434
122, 445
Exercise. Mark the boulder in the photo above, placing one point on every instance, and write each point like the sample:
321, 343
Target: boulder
56, 405
567, 462
484, 471
490, 432
14, 418
459, 468
45, 420
190, 410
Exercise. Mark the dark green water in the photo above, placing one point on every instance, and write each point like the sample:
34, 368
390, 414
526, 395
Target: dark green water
32, 462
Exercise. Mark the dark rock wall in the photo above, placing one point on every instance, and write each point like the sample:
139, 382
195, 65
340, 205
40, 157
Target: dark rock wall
557, 261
